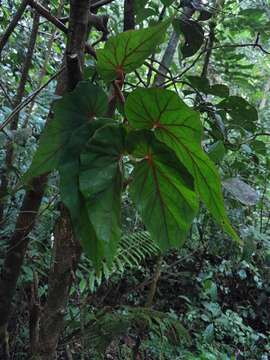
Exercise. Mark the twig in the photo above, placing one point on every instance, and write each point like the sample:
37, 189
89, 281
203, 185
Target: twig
140, 79
44, 66
157, 71
171, 48
47, 15
12, 25
94, 7
26, 67
29, 99
165, 83
117, 87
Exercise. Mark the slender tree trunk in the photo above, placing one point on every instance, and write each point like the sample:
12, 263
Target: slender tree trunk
19, 240
129, 15
170, 50
66, 256
210, 44
153, 287
34, 314
16, 252
44, 66
14, 124
67, 249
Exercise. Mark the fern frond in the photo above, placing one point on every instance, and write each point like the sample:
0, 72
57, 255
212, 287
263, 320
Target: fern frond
108, 325
132, 252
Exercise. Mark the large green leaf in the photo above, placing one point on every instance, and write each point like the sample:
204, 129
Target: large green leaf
101, 185
68, 127
69, 168
162, 190
71, 197
127, 51
179, 127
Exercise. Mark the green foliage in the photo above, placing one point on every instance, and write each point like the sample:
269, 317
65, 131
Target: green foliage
179, 127
132, 252
133, 184
127, 51
203, 85
89, 159
242, 114
100, 182
69, 129
106, 326
162, 190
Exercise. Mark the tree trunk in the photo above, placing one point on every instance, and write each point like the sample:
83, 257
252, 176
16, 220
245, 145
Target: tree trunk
67, 249
171, 48
16, 252
19, 240
66, 256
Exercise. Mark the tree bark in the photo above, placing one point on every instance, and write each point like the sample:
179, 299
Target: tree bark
67, 249
129, 15
170, 50
44, 66
19, 240
66, 255
16, 252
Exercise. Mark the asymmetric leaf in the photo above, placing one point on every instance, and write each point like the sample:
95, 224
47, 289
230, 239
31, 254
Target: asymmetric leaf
73, 200
101, 185
179, 127
69, 123
69, 169
127, 51
162, 190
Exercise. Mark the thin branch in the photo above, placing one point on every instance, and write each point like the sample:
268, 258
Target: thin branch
157, 71
29, 99
171, 48
47, 15
94, 7
26, 67
254, 45
149, 74
167, 83
208, 54
44, 66
12, 25
141, 81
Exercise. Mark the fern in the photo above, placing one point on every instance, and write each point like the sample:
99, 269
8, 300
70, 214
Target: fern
133, 250
109, 325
